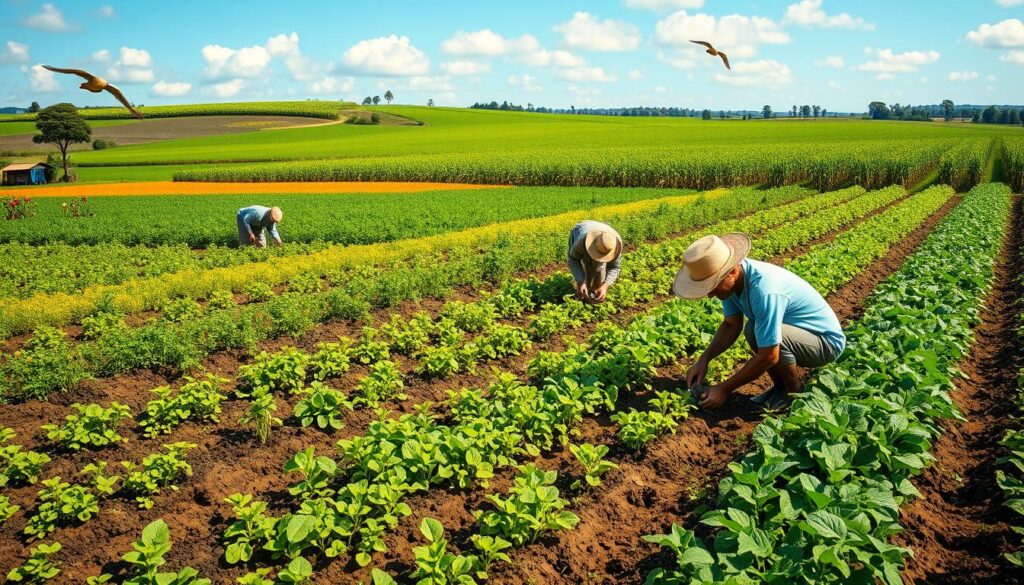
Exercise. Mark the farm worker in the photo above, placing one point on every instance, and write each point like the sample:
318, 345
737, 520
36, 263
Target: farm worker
253, 220
595, 256
789, 324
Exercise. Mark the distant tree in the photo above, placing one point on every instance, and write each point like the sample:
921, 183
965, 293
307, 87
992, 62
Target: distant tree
817, 111
879, 111
824, 112
989, 115
388, 96
766, 112
947, 109
376, 100
33, 108
62, 125
897, 110
1004, 117
430, 102
1014, 118
796, 111
805, 111
367, 100
706, 114
572, 109
529, 107
976, 118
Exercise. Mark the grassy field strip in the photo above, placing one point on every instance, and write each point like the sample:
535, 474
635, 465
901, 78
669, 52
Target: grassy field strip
179, 188
134, 296
331, 110
817, 502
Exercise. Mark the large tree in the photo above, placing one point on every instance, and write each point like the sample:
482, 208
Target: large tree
947, 109
61, 124
376, 100
766, 112
878, 111
388, 96
32, 109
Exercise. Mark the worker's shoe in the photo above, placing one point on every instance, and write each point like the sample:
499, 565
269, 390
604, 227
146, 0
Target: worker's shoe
777, 400
763, 397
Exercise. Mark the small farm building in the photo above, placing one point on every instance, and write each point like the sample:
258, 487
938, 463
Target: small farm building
24, 174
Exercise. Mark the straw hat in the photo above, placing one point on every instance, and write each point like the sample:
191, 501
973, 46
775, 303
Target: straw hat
707, 261
603, 246
276, 214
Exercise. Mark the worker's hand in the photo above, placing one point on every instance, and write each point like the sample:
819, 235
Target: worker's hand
581, 290
277, 242
601, 293
252, 239
695, 375
715, 397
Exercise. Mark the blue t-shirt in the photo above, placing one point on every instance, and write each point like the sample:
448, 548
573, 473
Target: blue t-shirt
772, 296
256, 218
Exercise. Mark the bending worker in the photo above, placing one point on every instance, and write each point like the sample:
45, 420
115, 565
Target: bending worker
789, 324
254, 221
595, 256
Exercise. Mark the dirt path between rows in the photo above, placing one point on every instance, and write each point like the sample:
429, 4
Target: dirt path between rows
675, 478
958, 529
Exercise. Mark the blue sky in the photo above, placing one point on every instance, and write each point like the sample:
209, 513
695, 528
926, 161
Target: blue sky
839, 54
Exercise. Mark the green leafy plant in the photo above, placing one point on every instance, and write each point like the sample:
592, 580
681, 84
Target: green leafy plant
251, 529
369, 350
435, 565
220, 300
258, 291
89, 426
147, 557
284, 371
470, 317
157, 471
257, 577
322, 406
298, 571
60, 503
18, 467
38, 568
317, 473
438, 362
7, 509
383, 382
490, 549
100, 324
260, 415
197, 400
532, 507
331, 359
102, 485
594, 464
181, 310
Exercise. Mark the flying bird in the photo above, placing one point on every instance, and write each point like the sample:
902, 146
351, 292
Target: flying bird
96, 85
715, 53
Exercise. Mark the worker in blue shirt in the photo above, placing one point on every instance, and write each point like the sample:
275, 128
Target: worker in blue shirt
789, 324
253, 223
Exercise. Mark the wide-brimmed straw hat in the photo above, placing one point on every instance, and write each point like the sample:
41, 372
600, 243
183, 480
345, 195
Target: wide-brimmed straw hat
603, 246
707, 261
276, 214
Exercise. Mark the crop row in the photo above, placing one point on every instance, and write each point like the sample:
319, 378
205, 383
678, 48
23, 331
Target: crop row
816, 501
963, 166
331, 110
871, 164
1013, 163
1010, 475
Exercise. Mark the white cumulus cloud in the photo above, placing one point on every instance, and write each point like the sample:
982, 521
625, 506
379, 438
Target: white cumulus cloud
331, 85
764, 73
228, 88
100, 56
49, 19
545, 58
466, 67
962, 75
388, 56
809, 13
586, 74
586, 31
525, 81
739, 36
1016, 57
487, 43
14, 53
887, 64
1008, 34
170, 88
439, 83
225, 62
42, 80
132, 66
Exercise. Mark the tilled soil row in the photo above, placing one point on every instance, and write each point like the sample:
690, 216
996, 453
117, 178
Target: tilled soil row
195, 512
674, 479
959, 528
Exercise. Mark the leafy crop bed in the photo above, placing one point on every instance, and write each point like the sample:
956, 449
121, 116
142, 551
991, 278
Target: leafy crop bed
336, 514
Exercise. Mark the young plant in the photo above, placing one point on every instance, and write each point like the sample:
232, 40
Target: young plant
383, 382
368, 350
408, 338
322, 406
181, 310
298, 571
148, 556
251, 529
89, 426
61, 503
38, 568
532, 507
470, 317
284, 371
441, 361
490, 549
197, 400
331, 360
317, 474
101, 323
261, 415
220, 300
102, 485
157, 471
18, 467
593, 462
258, 291
434, 564
7, 509
257, 577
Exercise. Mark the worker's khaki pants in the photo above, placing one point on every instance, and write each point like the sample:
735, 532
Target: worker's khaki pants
799, 346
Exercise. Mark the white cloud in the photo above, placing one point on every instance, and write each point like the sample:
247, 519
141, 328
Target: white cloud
586, 74
1010, 3
833, 61
42, 80
545, 58
1016, 57
170, 89
14, 53
132, 66
487, 43
586, 31
635, 75
440, 83
764, 73
886, 63
388, 56
50, 19
224, 62
300, 67
1008, 34
329, 84
100, 56
107, 11
809, 13
962, 75
228, 88
525, 81
660, 5
737, 35
466, 67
